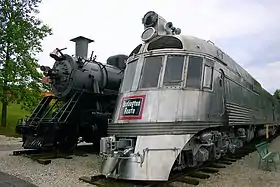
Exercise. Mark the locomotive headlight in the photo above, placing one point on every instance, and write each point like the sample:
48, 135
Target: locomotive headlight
44, 68
150, 19
148, 34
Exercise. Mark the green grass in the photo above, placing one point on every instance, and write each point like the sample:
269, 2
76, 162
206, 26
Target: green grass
14, 114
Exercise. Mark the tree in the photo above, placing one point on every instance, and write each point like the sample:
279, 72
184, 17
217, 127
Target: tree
21, 33
277, 94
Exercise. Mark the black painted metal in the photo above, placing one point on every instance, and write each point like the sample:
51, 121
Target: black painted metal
85, 93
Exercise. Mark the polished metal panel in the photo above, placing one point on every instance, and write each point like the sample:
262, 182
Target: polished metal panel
238, 114
165, 104
188, 110
156, 158
162, 105
172, 115
135, 129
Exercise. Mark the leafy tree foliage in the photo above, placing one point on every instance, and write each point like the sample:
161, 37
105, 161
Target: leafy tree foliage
21, 33
277, 94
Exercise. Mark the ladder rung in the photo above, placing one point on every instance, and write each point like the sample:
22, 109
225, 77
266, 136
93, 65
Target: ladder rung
67, 108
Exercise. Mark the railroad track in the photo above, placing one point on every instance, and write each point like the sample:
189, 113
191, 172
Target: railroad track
186, 176
45, 157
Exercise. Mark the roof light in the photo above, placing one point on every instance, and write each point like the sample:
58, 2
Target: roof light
148, 34
154, 24
150, 19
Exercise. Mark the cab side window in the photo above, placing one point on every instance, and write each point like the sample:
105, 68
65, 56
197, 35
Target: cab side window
173, 70
151, 71
208, 76
194, 71
129, 76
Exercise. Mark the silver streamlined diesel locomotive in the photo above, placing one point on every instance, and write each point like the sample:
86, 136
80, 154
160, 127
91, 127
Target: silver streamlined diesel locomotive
85, 93
183, 101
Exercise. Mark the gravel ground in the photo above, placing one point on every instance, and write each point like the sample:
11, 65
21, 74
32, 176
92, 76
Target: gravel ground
9, 140
244, 173
59, 173
65, 172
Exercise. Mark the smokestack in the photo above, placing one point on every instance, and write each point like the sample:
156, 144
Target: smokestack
81, 46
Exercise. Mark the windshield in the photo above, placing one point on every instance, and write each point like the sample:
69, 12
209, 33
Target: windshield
151, 71
173, 70
174, 74
129, 76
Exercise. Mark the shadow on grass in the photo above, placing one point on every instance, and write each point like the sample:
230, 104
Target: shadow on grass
9, 132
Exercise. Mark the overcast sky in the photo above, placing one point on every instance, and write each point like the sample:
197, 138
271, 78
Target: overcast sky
246, 30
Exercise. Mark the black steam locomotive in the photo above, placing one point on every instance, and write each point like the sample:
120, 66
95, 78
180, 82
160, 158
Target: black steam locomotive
85, 93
